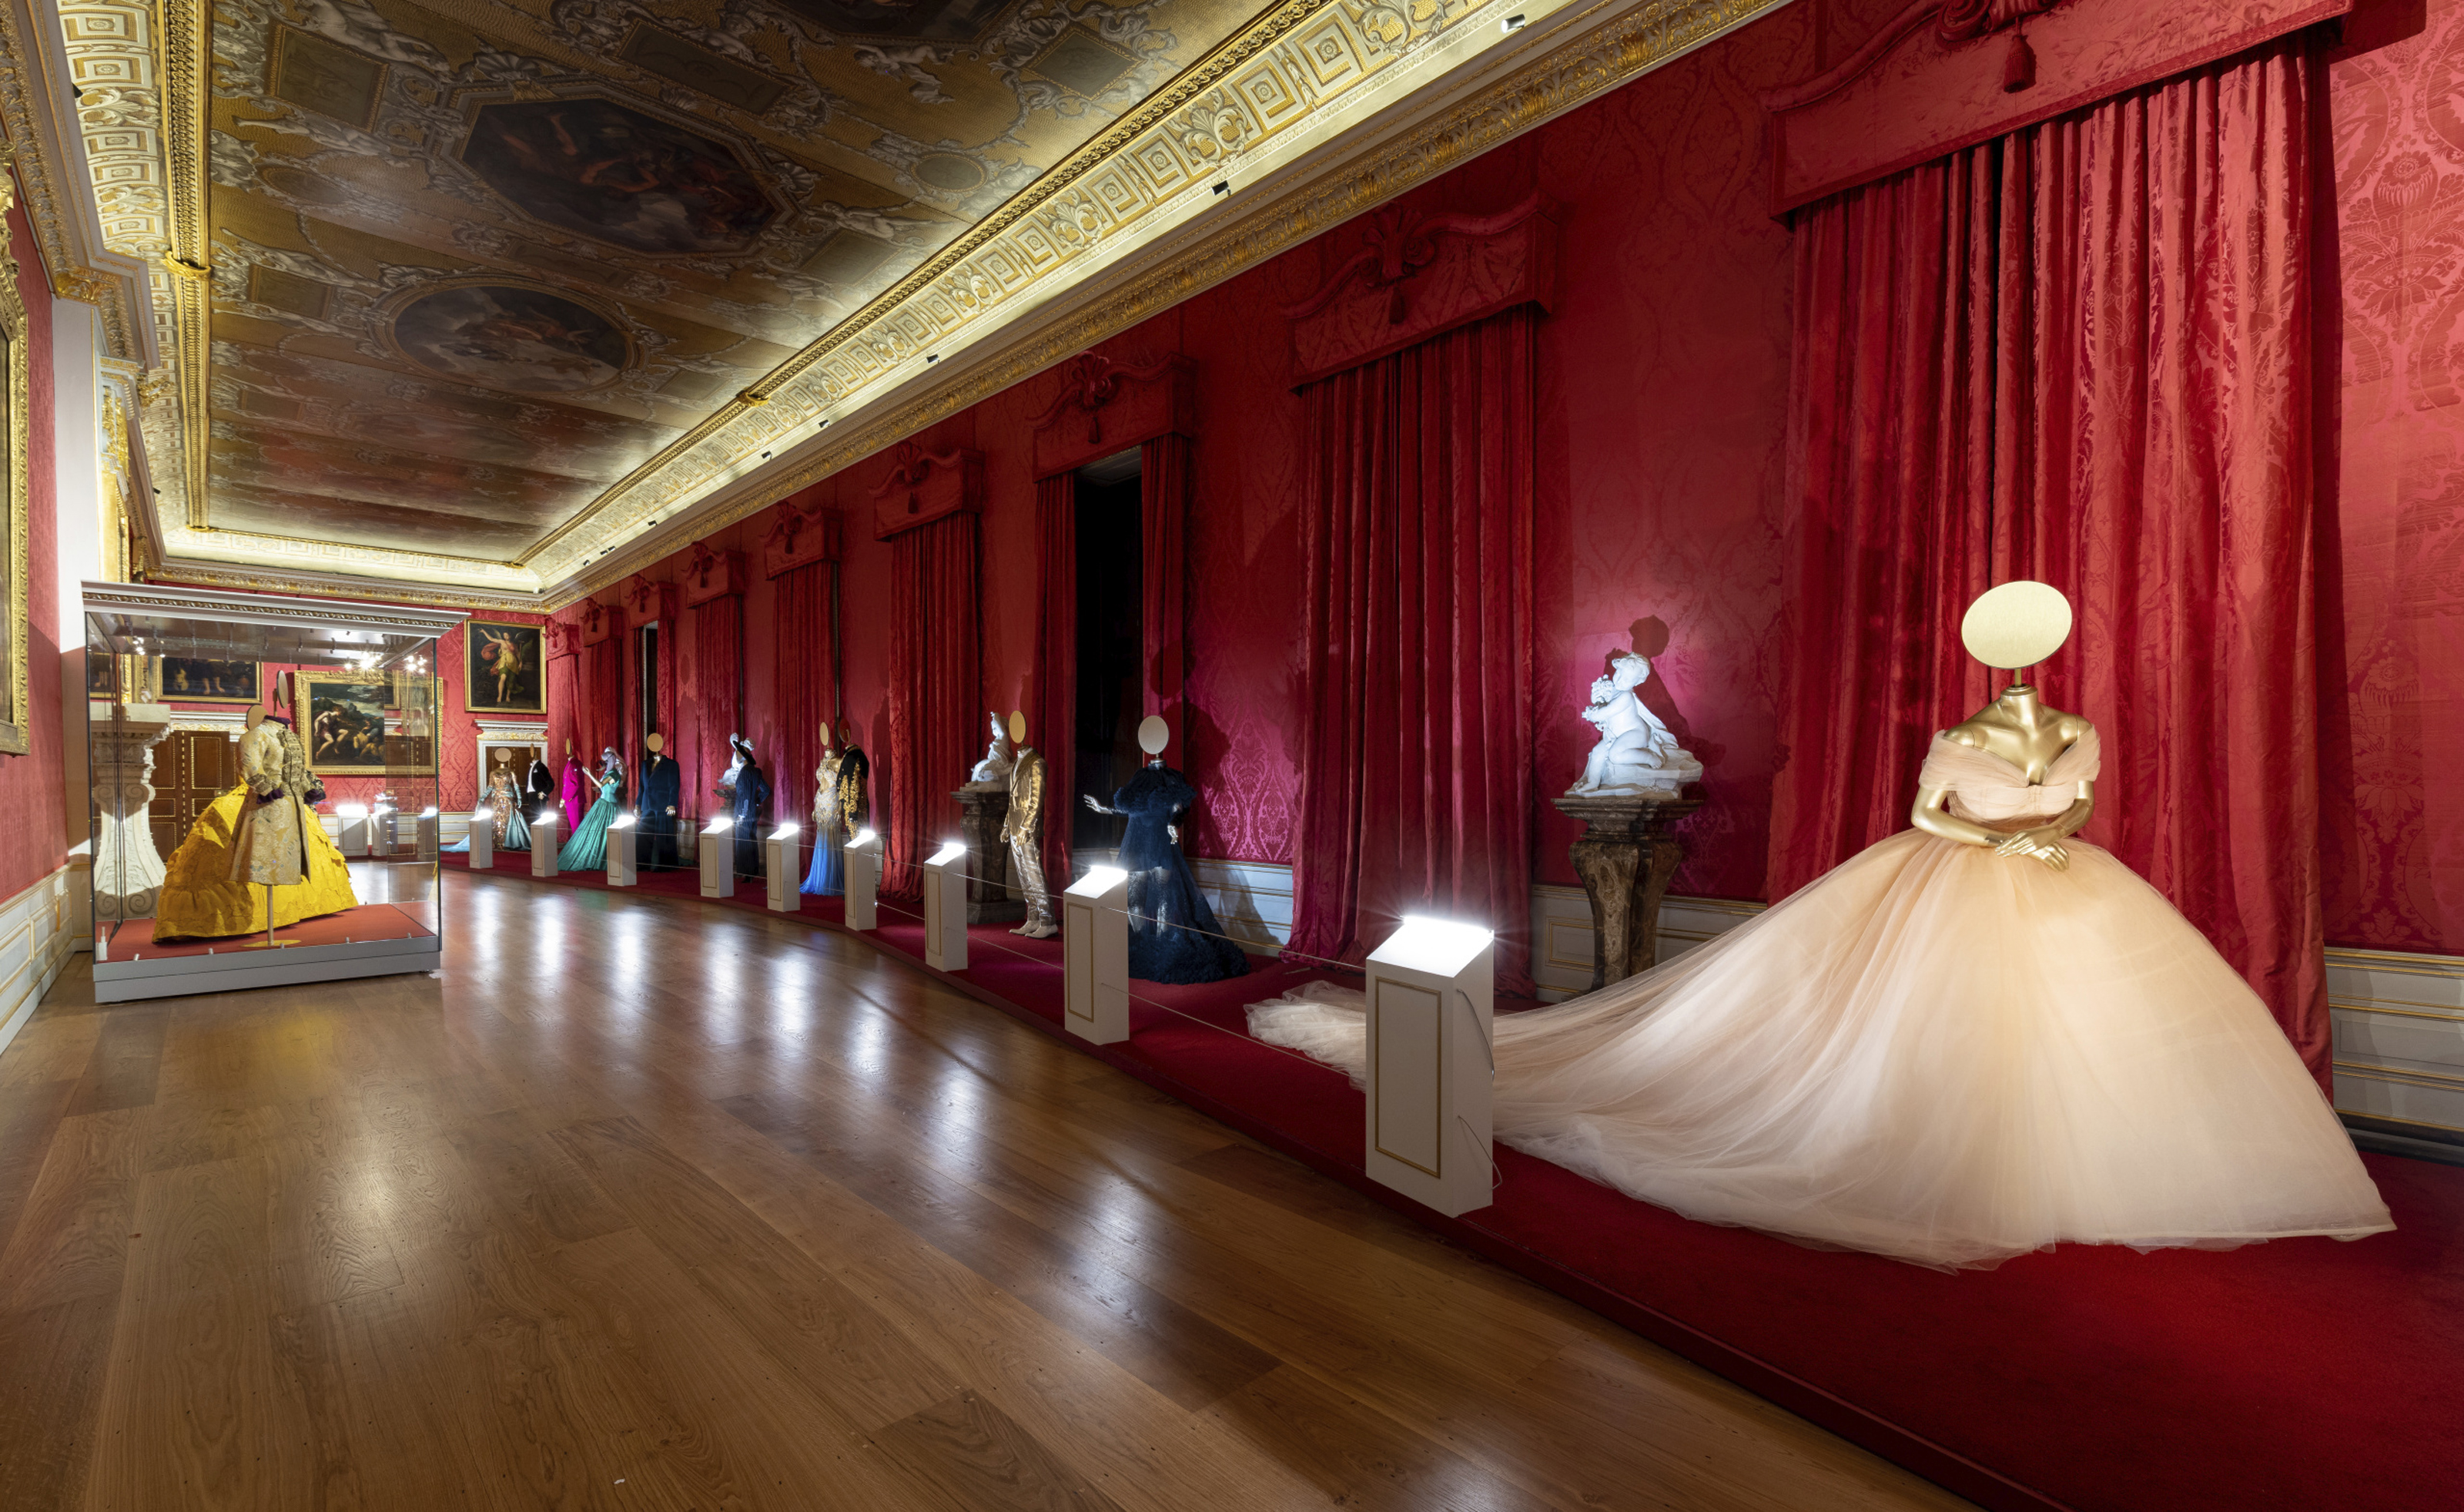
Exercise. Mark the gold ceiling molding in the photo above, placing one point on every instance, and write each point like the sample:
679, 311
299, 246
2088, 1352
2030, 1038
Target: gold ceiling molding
32, 111
1595, 61
186, 28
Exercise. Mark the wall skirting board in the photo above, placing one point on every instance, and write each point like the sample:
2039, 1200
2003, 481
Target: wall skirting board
2399, 1057
35, 941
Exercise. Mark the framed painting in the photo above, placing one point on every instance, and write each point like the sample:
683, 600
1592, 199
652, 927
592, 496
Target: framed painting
202, 680
342, 719
504, 668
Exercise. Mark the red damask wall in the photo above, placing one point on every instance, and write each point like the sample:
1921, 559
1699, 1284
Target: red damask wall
2392, 628
31, 783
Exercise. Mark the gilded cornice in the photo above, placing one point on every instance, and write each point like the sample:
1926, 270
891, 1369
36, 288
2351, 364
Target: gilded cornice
30, 102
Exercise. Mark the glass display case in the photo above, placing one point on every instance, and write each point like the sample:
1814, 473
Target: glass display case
264, 788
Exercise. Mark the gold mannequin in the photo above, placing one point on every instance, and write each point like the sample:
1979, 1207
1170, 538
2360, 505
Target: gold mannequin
2016, 625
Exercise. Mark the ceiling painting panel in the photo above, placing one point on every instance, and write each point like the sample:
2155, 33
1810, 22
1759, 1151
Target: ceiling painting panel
460, 221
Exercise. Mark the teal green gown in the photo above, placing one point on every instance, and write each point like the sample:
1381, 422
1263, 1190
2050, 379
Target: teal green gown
585, 850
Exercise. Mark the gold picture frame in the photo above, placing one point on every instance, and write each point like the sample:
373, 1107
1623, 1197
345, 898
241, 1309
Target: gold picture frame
524, 691
340, 717
16, 631
206, 680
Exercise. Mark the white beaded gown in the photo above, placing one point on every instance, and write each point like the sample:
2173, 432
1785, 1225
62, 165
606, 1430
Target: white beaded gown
1933, 1053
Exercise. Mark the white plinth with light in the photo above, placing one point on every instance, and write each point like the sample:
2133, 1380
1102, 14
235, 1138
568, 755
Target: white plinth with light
426, 829
945, 907
785, 895
1431, 1010
544, 843
862, 858
353, 841
622, 852
1095, 954
483, 841
717, 854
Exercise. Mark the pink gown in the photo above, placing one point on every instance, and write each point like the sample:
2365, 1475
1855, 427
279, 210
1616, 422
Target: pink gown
572, 794
1933, 1052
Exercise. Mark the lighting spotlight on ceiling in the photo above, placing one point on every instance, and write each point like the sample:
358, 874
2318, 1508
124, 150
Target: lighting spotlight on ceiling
765, 457
1512, 23
1224, 187
934, 357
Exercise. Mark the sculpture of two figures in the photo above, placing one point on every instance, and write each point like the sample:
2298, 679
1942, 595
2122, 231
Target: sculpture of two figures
1636, 753
993, 770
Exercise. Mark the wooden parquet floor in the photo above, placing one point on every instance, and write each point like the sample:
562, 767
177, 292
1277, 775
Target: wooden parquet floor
648, 1205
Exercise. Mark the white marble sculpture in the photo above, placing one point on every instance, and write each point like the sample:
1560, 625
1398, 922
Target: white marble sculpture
1635, 752
993, 771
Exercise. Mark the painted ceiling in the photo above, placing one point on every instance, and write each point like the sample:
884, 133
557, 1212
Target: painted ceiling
473, 262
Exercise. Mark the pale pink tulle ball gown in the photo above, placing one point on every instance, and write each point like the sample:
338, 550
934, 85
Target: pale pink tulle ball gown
1933, 1053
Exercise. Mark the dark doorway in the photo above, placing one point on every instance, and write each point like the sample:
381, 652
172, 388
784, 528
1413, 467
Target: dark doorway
1111, 637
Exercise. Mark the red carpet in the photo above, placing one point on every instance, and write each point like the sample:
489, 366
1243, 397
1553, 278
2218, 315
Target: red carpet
2300, 1374
135, 938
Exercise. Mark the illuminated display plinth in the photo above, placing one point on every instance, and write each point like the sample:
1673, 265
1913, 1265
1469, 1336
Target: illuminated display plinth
1095, 954
483, 841
624, 856
544, 841
862, 858
718, 852
784, 874
1431, 1009
945, 907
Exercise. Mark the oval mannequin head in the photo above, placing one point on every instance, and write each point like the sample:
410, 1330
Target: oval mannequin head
1017, 726
1153, 734
2016, 624
656, 742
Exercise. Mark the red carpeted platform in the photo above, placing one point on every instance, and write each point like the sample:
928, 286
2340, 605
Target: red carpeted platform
134, 938
2300, 1375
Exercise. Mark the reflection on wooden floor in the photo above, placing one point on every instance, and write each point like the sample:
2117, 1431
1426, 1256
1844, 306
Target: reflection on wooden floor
648, 1205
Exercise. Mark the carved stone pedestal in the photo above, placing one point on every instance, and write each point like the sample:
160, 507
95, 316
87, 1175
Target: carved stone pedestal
982, 813
1625, 858
127, 870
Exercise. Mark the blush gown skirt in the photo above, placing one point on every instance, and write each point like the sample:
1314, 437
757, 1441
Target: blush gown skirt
1933, 1052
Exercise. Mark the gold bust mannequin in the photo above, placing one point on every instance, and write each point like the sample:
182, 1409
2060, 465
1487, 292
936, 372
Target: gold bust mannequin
2013, 626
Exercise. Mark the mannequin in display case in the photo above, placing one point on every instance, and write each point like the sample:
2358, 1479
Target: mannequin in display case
257, 859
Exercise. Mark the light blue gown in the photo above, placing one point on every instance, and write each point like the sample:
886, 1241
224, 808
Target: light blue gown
585, 850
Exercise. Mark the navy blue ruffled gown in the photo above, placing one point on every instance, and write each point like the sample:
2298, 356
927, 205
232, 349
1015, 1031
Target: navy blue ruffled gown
1163, 895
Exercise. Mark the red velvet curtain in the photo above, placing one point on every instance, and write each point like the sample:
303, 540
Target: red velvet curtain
1163, 512
1052, 706
1417, 768
563, 709
602, 701
2078, 353
805, 693
935, 672
717, 694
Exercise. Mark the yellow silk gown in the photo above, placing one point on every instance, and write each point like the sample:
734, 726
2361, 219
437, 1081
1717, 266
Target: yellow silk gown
200, 901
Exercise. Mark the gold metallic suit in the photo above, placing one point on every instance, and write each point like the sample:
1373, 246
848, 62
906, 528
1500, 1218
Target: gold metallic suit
1023, 831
